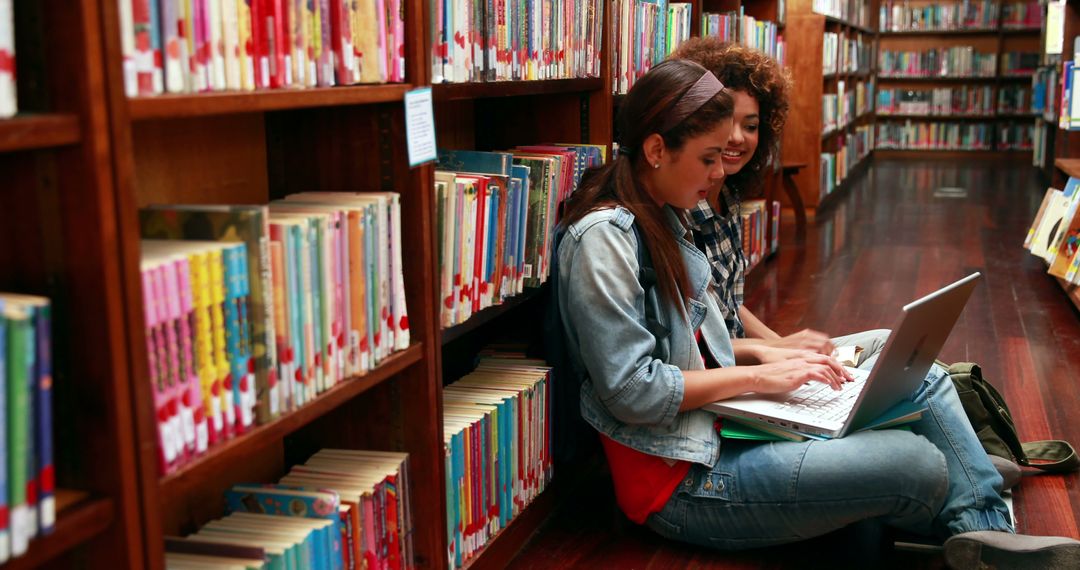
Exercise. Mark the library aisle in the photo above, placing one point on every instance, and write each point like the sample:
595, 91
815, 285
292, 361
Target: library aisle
906, 228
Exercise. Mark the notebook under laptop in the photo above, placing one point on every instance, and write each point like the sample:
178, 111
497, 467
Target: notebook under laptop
921, 330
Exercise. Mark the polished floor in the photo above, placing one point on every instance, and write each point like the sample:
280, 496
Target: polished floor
907, 228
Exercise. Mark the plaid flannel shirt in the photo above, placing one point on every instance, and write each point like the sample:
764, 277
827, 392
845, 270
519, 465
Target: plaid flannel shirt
720, 238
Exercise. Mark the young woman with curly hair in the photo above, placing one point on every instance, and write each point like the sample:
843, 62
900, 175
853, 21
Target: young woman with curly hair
760, 90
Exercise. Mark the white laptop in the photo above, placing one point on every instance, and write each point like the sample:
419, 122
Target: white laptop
816, 409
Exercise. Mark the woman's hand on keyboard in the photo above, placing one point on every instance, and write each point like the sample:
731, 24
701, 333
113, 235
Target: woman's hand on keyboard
766, 354
787, 375
806, 339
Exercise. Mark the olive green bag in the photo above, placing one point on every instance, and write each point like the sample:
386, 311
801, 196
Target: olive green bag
993, 423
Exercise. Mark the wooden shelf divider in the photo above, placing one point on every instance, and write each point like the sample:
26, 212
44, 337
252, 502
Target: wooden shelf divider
28, 132
206, 104
483, 90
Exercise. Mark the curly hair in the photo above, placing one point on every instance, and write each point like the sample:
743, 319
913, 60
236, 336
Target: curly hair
745, 69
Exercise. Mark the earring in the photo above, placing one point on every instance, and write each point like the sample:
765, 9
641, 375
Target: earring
657, 165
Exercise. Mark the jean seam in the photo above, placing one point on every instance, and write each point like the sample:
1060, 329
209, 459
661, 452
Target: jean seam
797, 471
932, 404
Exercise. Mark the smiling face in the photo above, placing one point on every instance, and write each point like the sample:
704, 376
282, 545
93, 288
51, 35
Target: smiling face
685, 176
744, 137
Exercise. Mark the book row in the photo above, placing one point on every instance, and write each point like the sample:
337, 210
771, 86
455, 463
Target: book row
1046, 92
27, 472
853, 11
901, 16
496, 212
1016, 136
756, 230
746, 30
192, 46
497, 40
1020, 63
1022, 15
918, 135
1054, 235
956, 61
1042, 135
8, 99
497, 437
340, 510
835, 166
1068, 108
641, 38
253, 311
839, 109
963, 100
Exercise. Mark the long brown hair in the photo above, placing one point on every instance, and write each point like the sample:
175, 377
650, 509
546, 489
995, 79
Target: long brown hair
741, 68
646, 107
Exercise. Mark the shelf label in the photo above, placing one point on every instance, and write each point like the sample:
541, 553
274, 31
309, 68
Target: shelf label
1055, 27
420, 126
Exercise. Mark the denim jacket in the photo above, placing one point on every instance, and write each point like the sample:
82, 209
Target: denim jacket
632, 382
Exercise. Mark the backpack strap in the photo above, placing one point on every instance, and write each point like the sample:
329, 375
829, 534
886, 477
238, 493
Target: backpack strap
1050, 455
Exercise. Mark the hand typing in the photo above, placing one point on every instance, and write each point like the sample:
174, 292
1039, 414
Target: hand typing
787, 375
806, 339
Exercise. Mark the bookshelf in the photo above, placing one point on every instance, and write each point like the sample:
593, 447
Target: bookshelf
57, 214
82, 157
1064, 159
252, 148
1001, 131
807, 137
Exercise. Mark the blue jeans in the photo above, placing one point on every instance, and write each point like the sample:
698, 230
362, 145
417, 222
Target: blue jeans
934, 479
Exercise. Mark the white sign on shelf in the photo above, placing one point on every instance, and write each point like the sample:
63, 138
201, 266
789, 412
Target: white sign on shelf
420, 126
1055, 27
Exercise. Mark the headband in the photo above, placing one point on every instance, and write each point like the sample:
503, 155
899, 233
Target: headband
699, 93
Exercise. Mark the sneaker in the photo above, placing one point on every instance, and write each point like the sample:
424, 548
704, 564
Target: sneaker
995, 549
1010, 471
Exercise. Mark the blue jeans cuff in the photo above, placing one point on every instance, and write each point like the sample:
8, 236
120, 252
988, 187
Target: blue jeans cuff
973, 520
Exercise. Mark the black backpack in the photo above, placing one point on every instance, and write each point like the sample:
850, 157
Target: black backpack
573, 438
989, 416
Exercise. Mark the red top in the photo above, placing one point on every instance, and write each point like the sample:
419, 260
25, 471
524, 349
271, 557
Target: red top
643, 482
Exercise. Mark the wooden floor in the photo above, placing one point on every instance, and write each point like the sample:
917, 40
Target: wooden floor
907, 228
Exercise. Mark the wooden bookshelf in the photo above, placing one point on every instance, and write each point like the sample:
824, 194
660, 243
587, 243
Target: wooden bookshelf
998, 40
805, 139
57, 217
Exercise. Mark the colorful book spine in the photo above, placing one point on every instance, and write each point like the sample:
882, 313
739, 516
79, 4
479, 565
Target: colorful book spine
5, 527
8, 98
20, 353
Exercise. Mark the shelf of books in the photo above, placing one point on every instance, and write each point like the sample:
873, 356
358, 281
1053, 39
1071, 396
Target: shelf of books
952, 77
69, 487
830, 58
1054, 235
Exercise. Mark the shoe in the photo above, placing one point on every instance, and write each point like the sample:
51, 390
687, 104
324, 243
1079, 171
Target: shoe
995, 549
1010, 471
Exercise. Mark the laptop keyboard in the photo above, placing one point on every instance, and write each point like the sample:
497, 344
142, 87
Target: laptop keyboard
818, 400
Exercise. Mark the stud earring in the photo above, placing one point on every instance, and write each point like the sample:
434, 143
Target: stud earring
657, 165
